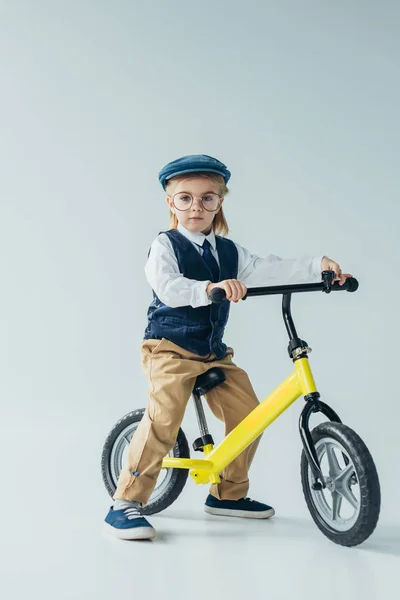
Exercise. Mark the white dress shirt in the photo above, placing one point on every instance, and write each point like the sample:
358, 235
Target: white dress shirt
173, 289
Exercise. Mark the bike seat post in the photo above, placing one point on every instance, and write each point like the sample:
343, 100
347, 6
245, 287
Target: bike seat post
201, 417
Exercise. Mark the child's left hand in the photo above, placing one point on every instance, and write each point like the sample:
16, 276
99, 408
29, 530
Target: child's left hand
327, 264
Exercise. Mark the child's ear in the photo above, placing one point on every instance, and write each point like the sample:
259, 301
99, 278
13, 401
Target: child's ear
170, 203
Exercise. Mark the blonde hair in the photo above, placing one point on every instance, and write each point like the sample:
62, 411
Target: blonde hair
219, 224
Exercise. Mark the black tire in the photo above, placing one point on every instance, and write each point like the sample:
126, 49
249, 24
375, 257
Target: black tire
177, 477
365, 476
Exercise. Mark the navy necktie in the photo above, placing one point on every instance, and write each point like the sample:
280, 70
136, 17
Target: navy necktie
210, 260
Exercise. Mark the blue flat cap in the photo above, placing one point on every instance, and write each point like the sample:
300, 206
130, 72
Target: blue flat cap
193, 163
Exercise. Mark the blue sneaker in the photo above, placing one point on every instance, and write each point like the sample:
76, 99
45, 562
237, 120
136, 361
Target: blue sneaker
128, 524
245, 507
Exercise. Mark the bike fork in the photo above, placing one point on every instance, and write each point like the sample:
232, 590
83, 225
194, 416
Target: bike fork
314, 404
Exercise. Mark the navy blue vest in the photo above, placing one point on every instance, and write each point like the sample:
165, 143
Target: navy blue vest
199, 330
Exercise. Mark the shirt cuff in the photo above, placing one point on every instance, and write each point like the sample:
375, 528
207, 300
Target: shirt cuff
317, 266
202, 297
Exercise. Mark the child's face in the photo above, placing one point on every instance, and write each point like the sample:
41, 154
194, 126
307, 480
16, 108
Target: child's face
195, 218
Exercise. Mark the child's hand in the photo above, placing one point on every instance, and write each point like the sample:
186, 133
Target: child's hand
234, 289
327, 264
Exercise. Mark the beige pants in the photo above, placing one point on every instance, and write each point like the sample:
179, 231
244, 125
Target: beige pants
171, 371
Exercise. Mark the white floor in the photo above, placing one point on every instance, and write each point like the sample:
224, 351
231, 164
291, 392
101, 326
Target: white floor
65, 554
53, 544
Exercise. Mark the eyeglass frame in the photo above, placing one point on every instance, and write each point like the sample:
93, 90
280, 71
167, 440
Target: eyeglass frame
193, 197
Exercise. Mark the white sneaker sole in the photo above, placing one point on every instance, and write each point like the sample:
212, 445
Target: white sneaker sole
247, 514
137, 533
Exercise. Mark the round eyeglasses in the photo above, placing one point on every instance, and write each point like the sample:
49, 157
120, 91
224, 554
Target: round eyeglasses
184, 201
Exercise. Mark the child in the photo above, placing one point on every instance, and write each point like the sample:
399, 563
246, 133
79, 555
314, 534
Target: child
184, 334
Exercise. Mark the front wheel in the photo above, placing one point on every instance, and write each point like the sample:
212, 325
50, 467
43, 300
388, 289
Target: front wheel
170, 482
347, 509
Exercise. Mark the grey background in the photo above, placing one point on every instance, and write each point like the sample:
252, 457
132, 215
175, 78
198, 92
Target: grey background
300, 100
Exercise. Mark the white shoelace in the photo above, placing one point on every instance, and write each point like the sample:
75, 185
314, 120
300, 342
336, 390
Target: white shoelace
132, 513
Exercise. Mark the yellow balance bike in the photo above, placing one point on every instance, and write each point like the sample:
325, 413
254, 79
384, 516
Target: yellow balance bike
339, 479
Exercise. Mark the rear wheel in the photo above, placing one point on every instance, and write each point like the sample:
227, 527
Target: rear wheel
347, 509
170, 482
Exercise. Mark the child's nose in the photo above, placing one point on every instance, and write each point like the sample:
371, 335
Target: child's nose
197, 202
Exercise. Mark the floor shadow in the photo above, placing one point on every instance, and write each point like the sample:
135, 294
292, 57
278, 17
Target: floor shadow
385, 539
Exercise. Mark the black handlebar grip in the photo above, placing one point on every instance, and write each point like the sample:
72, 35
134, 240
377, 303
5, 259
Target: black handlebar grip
217, 295
350, 285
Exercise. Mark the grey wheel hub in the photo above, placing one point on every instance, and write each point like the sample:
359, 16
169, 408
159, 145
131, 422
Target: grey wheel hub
339, 502
330, 484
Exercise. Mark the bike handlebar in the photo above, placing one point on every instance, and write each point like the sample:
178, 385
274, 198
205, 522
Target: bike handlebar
218, 295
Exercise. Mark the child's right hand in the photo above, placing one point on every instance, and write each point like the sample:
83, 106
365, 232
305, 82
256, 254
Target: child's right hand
234, 289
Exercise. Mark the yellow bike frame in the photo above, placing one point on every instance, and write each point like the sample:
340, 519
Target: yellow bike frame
206, 470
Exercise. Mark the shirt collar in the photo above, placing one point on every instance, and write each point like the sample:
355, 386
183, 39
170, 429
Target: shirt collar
197, 237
